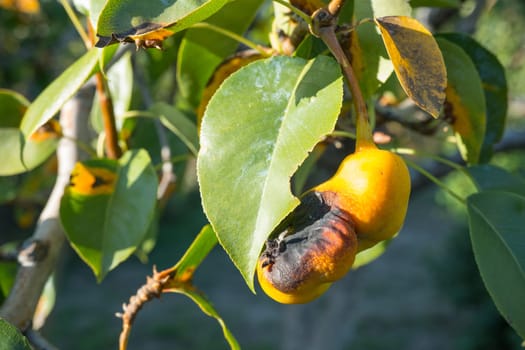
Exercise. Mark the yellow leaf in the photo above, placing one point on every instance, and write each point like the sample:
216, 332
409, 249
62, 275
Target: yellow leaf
91, 180
417, 61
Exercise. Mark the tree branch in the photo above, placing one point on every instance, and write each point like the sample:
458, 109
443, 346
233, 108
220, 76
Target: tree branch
20, 305
108, 116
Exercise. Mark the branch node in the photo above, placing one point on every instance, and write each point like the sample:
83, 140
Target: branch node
32, 252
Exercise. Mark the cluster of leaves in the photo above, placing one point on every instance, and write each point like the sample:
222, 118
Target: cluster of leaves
261, 123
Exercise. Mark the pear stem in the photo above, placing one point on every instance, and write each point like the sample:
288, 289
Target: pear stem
323, 26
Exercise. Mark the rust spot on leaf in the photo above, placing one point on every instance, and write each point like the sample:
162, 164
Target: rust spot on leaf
50, 130
87, 180
146, 35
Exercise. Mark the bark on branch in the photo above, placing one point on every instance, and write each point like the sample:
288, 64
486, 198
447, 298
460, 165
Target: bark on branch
31, 277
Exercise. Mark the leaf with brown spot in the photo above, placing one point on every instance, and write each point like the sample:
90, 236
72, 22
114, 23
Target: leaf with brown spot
465, 107
148, 23
417, 60
18, 153
91, 180
51, 129
494, 85
108, 207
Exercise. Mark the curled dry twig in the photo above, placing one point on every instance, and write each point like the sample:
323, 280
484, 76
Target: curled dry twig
155, 285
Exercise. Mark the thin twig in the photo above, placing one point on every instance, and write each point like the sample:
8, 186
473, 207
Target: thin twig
108, 116
323, 25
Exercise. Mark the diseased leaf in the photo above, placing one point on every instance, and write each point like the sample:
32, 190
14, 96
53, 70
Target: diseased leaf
11, 338
179, 124
494, 84
202, 49
252, 144
417, 61
107, 208
18, 154
147, 23
496, 220
49, 102
465, 101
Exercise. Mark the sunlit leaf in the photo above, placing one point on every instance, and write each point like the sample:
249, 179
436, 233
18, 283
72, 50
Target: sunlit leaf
417, 61
494, 83
11, 338
179, 124
18, 154
49, 102
384, 8
132, 21
202, 49
252, 144
496, 220
108, 207
465, 100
